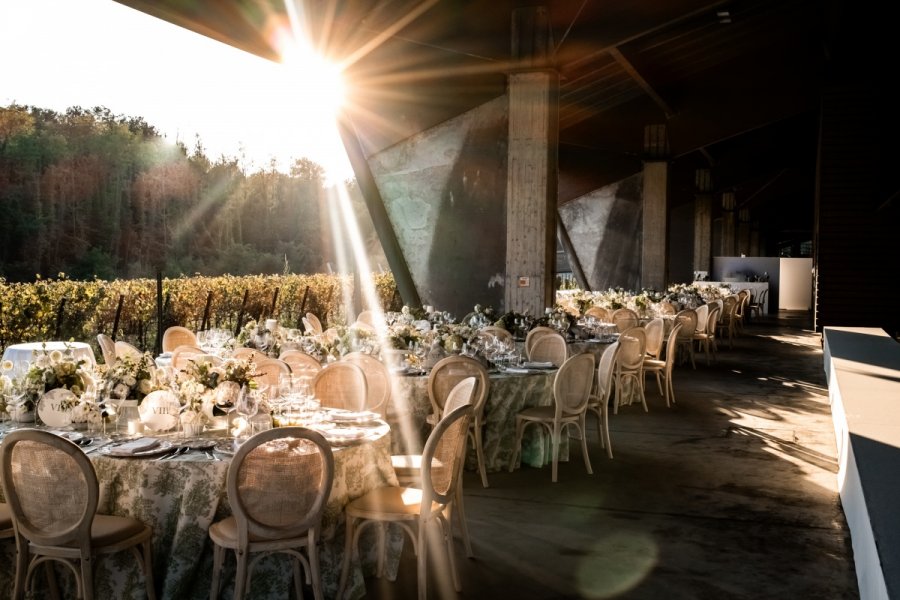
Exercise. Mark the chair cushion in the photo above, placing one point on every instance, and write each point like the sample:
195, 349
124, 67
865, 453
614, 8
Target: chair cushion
108, 529
651, 363
542, 413
388, 504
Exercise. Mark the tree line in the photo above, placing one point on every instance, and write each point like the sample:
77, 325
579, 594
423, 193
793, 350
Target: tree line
90, 193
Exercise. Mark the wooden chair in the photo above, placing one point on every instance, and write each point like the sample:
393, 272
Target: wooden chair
269, 372
312, 324
757, 305
183, 354
341, 385
126, 349
550, 347
301, 363
663, 368
599, 313
378, 381
688, 320
53, 493
705, 335
534, 335
656, 331
571, 391
443, 378
408, 467
629, 371
243, 353
278, 484
740, 311
726, 326
497, 332
666, 308
178, 336
624, 319
416, 509
599, 400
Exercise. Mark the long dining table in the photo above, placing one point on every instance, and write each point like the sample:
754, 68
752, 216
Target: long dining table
182, 496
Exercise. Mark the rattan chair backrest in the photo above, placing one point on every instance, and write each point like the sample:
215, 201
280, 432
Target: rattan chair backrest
301, 363
605, 372
656, 332
126, 349
632, 345
462, 394
442, 458
550, 347
688, 320
573, 384
107, 348
672, 347
269, 371
498, 332
534, 335
244, 353
279, 482
624, 319
599, 313
365, 317
183, 354
712, 320
702, 314
666, 308
313, 324
50, 486
378, 380
341, 385
448, 372
178, 336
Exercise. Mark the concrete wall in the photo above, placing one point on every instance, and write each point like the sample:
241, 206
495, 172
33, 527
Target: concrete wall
605, 228
796, 284
737, 268
445, 193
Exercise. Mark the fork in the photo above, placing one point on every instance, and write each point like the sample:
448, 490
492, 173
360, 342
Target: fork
175, 452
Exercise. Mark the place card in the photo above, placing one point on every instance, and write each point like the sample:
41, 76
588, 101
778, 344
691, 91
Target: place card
160, 410
55, 407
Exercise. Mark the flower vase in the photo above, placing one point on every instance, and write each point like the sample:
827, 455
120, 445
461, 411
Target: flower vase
20, 414
192, 429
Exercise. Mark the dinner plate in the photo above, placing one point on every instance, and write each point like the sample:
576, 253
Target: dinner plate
352, 417
344, 435
115, 449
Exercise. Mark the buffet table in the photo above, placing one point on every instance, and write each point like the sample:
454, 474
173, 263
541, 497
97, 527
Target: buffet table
181, 497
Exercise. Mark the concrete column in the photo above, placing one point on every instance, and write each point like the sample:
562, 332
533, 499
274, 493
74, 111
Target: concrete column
743, 232
755, 249
729, 242
654, 214
703, 220
531, 189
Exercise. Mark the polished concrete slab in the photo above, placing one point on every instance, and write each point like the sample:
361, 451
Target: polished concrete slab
731, 493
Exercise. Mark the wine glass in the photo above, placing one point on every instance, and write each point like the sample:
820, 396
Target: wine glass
247, 405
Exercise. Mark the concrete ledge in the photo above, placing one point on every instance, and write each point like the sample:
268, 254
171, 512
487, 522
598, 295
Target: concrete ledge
863, 370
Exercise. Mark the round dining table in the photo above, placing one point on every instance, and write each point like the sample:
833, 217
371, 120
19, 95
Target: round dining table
22, 355
181, 496
511, 391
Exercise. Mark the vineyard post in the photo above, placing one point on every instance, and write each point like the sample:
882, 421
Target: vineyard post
118, 316
59, 318
159, 313
303, 307
204, 325
237, 328
274, 302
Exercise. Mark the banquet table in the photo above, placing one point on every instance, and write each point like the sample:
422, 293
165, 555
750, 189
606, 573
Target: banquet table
510, 393
22, 355
180, 498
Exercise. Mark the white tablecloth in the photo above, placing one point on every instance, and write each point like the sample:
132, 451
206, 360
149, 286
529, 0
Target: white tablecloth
23, 354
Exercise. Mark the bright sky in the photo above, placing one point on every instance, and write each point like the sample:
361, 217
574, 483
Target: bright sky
62, 53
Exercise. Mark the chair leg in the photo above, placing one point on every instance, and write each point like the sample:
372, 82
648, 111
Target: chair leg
148, 569
584, 448
218, 559
315, 570
446, 532
520, 428
87, 577
240, 575
421, 562
348, 551
605, 431
459, 512
554, 445
21, 568
479, 452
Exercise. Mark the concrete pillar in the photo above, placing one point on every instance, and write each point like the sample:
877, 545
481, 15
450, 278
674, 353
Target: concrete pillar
703, 220
531, 189
654, 214
755, 249
743, 232
729, 242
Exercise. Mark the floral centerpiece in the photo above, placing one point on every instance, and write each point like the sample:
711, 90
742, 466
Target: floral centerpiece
202, 387
52, 370
255, 335
129, 377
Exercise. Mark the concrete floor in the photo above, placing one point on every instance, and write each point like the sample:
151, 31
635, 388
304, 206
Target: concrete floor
731, 493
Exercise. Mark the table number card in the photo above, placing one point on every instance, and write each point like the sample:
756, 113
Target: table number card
55, 407
159, 410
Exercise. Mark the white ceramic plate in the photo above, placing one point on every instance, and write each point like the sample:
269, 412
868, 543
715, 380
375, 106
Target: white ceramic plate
115, 449
352, 417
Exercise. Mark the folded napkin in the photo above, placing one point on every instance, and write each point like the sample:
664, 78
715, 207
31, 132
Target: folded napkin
139, 445
516, 370
538, 365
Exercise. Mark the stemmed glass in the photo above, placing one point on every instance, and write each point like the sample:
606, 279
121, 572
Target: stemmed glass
246, 407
